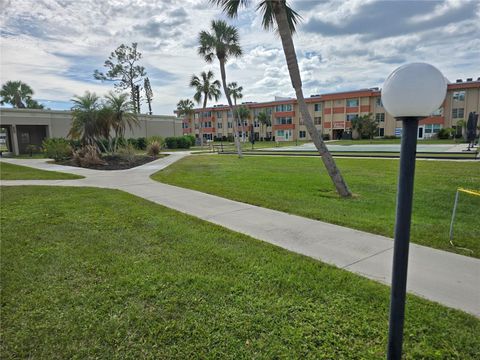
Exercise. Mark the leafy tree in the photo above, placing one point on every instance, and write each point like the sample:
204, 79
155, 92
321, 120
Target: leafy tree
365, 125
206, 88
124, 71
121, 115
276, 13
19, 95
148, 94
264, 119
223, 43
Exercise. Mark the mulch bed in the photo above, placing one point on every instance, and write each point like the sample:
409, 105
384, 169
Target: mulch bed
116, 162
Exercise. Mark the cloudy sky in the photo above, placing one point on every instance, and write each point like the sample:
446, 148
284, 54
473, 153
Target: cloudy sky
55, 45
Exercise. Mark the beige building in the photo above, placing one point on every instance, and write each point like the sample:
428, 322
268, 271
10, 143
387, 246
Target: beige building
332, 115
25, 127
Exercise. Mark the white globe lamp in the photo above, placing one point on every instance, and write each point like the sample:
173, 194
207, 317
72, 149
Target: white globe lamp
416, 89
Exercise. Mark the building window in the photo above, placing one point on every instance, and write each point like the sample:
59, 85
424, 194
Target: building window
351, 117
283, 120
459, 95
457, 113
432, 128
229, 114
317, 120
378, 102
381, 132
380, 117
219, 125
184, 125
302, 134
230, 124
283, 107
338, 102
352, 102
280, 133
318, 107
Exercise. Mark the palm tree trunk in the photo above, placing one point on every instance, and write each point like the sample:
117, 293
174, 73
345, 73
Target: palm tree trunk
229, 99
291, 57
200, 128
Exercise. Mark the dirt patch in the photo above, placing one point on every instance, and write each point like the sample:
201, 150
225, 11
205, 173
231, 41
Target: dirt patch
116, 162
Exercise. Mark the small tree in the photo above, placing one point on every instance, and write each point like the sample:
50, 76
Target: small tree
19, 95
365, 125
124, 71
242, 114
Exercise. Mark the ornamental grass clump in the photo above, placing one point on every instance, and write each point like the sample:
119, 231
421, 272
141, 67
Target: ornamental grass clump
154, 149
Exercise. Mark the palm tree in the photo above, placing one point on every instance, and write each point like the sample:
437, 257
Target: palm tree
242, 114
185, 109
85, 115
235, 92
277, 12
222, 43
264, 119
206, 89
122, 115
16, 93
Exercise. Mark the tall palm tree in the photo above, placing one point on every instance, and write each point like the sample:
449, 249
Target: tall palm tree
122, 114
85, 115
185, 109
206, 89
264, 119
16, 93
279, 13
235, 92
223, 43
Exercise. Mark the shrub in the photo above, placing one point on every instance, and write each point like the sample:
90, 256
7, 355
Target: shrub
57, 149
191, 138
326, 136
141, 143
132, 142
171, 142
127, 152
183, 142
445, 133
87, 156
159, 139
154, 149
390, 137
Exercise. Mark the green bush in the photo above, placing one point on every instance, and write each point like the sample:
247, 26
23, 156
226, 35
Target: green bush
183, 142
132, 142
445, 133
191, 138
141, 143
155, 138
57, 149
171, 142
390, 137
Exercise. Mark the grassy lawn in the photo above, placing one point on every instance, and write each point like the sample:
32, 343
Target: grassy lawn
131, 279
301, 186
17, 172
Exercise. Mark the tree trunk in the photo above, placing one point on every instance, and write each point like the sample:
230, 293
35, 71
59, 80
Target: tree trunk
229, 99
291, 57
200, 128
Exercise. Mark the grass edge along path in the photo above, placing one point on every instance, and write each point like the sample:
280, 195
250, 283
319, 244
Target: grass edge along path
301, 186
10, 171
128, 278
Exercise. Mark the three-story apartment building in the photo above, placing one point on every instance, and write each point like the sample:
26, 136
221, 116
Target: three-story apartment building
332, 114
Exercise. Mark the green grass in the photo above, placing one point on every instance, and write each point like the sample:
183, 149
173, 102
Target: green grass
17, 172
128, 279
301, 186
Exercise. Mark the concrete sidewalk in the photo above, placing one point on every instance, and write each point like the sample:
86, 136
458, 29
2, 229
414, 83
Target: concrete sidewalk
450, 279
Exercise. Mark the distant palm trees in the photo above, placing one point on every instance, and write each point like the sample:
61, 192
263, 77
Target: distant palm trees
206, 88
264, 119
185, 108
222, 43
235, 92
276, 13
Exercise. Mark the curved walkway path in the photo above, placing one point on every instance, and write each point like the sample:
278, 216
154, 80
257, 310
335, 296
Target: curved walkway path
447, 278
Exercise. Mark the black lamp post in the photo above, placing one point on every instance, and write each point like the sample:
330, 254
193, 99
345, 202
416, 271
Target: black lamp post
410, 93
